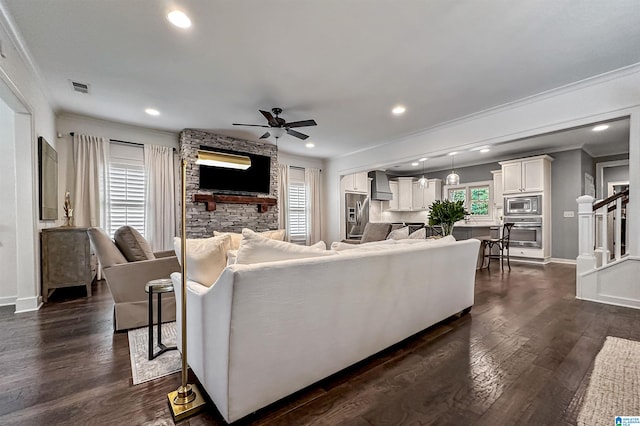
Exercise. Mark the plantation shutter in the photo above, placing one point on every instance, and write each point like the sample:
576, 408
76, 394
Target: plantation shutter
126, 187
297, 207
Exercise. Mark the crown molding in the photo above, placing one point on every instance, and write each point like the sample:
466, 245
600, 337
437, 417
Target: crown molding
547, 94
10, 27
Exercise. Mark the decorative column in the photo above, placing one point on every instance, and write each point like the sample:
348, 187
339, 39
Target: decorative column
586, 260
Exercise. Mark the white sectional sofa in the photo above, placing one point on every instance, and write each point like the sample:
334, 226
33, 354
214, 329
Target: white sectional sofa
264, 331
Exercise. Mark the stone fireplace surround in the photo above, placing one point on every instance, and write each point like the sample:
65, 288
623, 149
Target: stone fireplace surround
227, 217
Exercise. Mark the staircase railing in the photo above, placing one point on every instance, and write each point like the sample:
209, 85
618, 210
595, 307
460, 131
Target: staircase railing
603, 234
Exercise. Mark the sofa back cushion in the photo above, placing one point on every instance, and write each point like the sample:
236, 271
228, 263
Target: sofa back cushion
277, 234
206, 257
106, 250
133, 245
255, 248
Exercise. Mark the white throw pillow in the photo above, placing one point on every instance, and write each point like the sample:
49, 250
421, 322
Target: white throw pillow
236, 237
254, 248
419, 234
399, 234
232, 256
206, 257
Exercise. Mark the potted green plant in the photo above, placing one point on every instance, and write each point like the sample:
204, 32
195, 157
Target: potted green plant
446, 213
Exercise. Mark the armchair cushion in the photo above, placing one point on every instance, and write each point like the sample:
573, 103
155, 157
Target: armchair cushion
107, 252
133, 245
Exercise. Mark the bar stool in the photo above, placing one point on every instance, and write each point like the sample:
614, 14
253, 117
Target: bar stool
501, 243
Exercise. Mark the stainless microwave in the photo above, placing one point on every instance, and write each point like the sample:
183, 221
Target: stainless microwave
529, 205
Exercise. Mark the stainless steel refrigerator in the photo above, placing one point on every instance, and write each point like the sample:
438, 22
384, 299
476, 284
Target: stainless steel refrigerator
356, 215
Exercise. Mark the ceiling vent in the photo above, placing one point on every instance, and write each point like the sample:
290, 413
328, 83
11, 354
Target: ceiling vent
80, 87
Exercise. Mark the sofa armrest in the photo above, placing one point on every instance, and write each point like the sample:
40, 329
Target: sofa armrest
166, 253
126, 281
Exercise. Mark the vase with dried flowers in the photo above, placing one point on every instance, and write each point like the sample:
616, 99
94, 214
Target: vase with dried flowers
68, 211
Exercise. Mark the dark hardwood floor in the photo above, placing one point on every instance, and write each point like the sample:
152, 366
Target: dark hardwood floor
523, 356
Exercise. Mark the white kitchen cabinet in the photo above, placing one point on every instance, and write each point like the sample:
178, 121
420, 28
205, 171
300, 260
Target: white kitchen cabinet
424, 197
524, 175
405, 195
356, 182
498, 200
393, 203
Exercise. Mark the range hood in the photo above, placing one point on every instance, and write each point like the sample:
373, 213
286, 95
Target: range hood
380, 186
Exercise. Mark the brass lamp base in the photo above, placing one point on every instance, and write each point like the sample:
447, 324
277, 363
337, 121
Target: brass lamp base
185, 402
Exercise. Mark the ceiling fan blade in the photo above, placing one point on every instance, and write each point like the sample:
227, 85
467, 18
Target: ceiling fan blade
251, 125
270, 118
303, 123
266, 135
297, 134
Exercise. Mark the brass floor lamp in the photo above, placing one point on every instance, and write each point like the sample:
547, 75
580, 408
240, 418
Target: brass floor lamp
187, 399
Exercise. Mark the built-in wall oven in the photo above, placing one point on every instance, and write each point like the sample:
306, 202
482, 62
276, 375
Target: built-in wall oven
526, 231
529, 205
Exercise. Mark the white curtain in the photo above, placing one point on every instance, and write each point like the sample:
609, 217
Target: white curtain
314, 223
283, 197
159, 208
91, 198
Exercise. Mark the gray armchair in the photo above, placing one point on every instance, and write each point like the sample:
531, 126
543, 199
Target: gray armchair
126, 281
374, 231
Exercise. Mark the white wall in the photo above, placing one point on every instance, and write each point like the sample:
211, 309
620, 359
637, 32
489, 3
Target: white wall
8, 286
298, 161
604, 97
20, 89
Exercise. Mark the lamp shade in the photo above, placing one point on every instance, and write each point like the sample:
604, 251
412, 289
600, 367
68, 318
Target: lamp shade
221, 159
453, 178
277, 132
422, 181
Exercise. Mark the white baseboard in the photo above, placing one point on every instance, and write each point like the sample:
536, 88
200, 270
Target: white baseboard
7, 301
28, 304
560, 260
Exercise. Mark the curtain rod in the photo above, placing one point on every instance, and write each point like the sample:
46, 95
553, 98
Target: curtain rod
124, 142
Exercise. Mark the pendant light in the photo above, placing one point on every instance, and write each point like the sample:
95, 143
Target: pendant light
453, 178
423, 180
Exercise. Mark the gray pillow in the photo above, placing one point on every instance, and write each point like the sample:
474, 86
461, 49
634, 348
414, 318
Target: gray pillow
132, 244
399, 234
419, 234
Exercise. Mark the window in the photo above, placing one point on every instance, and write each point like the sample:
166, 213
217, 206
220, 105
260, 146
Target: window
126, 187
476, 197
297, 206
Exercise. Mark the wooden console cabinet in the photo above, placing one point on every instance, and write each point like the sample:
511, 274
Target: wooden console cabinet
67, 260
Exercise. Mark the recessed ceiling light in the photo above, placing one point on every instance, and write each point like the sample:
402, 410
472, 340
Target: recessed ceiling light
484, 150
600, 127
152, 111
399, 109
310, 145
453, 153
179, 19
423, 159
414, 164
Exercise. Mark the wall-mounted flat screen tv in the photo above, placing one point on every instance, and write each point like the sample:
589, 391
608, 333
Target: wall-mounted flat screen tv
256, 179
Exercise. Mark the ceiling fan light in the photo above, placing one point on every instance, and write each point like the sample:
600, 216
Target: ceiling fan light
277, 132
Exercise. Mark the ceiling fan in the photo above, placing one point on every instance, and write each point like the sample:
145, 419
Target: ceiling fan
279, 125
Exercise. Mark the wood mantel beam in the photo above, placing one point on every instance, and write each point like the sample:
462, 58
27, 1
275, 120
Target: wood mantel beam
263, 203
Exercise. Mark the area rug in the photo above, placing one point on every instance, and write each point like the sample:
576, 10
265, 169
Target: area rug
613, 390
144, 370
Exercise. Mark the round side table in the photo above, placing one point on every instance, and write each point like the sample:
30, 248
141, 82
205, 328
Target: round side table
159, 286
